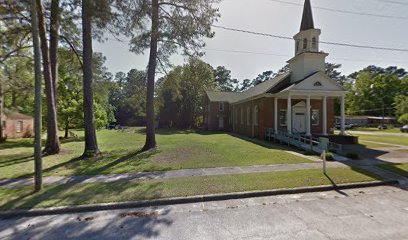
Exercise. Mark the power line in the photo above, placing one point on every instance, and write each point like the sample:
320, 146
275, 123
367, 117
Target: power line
394, 2
323, 42
282, 55
346, 11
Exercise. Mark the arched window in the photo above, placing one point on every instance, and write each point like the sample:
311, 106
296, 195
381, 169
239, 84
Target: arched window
248, 116
314, 43
305, 43
256, 115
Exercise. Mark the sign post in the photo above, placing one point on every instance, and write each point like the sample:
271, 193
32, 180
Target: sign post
324, 146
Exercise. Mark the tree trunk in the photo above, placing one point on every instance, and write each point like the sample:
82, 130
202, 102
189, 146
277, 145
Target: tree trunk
53, 144
151, 72
66, 129
91, 146
1, 113
54, 27
37, 100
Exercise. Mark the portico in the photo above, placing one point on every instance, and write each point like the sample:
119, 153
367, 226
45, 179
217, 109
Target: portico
299, 116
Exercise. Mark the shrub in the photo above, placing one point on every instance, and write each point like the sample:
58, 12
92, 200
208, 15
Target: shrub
309, 152
352, 155
28, 133
403, 119
329, 156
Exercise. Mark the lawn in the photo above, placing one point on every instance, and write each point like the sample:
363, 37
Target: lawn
400, 169
399, 140
177, 150
79, 194
389, 130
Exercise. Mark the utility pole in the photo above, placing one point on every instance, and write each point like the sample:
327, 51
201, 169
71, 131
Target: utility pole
37, 99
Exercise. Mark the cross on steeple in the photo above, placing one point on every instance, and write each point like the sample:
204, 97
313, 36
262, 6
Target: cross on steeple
307, 18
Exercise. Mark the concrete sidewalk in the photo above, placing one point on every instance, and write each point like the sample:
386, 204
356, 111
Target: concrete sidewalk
21, 182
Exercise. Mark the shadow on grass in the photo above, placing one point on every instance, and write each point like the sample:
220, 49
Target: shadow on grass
15, 159
17, 143
72, 139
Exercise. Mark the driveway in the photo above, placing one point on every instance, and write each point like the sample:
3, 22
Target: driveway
369, 213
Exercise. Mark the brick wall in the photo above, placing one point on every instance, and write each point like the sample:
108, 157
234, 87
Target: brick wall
10, 128
265, 116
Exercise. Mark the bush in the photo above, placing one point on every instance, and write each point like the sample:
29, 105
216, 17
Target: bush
352, 155
28, 133
309, 152
403, 119
329, 156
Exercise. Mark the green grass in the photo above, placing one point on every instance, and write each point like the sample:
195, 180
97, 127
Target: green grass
400, 169
79, 194
177, 150
399, 140
389, 130
373, 145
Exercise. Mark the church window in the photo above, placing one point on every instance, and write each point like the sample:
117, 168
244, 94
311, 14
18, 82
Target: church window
314, 43
282, 117
304, 43
315, 118
256, 116
248, 116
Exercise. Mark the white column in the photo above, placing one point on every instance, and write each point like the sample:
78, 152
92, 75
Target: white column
289, 114
343, 117
275, 115
324, 115
308, 131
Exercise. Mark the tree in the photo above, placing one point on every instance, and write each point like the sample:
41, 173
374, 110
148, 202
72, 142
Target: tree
91, 145
403, 119
401, 105
173, 25
373, 90
69, 90
129, 97
38, 110
246, 84
181, 94
52, 145
265, 76
223, 80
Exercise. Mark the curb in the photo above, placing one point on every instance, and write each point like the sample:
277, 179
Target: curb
184, 200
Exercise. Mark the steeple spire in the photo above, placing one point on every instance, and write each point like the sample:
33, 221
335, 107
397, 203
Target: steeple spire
307, 18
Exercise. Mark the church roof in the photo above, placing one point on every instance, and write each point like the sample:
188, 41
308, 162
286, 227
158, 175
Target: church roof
307, 18
252, 92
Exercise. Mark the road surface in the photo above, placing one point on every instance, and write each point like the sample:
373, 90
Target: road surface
369, 213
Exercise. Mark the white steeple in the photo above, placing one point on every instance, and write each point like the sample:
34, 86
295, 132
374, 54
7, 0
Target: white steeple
308, 59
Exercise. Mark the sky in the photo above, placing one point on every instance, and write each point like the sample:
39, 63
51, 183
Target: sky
248, 55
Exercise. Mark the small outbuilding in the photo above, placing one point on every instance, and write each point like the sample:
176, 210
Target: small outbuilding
17, 125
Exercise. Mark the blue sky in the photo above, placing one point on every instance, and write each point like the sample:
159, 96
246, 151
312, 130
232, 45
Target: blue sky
273, 17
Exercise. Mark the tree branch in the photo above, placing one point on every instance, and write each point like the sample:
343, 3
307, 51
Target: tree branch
71, 45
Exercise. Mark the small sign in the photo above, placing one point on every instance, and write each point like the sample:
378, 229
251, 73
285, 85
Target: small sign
324, 144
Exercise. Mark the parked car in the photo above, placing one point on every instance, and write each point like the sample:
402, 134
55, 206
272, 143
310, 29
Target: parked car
382, 126
112, 126
404, 128
346, 126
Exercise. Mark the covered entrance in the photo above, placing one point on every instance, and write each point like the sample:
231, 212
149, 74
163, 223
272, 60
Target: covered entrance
299, 118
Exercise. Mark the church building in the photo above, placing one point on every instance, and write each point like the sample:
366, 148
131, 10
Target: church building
300, 101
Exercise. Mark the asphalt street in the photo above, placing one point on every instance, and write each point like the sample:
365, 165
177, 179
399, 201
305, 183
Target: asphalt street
367, 213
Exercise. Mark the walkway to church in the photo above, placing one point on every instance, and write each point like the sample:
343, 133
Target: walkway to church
140, 176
